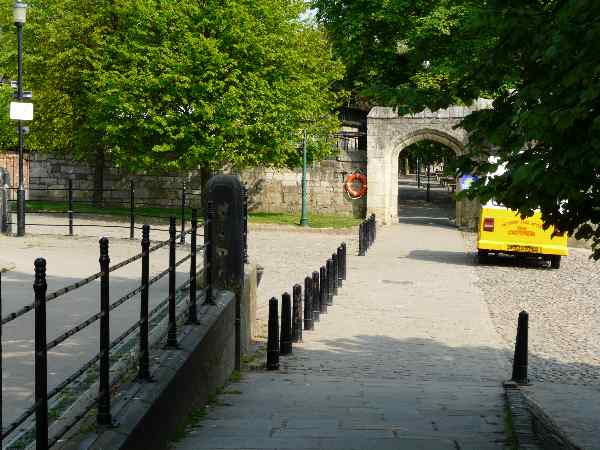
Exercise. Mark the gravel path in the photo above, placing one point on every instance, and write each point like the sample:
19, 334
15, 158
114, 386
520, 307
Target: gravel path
563, 307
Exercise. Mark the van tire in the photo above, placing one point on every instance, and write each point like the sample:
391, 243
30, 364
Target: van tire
555, 261
482, 256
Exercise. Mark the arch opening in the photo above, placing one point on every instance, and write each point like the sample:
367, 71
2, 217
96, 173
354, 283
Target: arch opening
426, 182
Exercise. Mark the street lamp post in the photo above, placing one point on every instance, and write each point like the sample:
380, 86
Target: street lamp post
304, 217
20, 14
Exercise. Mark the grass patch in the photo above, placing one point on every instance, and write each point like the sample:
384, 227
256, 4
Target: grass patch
314, 220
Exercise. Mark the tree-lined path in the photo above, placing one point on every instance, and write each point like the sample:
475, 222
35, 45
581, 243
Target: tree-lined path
406, 358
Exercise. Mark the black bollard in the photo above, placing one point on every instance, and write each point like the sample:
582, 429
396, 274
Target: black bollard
334, 282
361, 249
316, 303
144, 357
297, 314
309, 324
344, 261
273, 338
340, 261
286, 325
329, 282
172, 326
519, 374
103, 416
41, 355
323, 290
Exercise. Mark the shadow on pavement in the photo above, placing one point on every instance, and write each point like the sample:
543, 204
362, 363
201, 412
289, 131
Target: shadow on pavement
470, 259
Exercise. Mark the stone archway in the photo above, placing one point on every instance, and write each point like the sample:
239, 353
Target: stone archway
388, 134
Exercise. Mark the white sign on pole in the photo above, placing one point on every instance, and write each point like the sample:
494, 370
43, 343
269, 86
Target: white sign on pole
21, 111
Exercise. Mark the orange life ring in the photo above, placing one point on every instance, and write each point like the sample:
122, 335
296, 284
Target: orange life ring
354, 193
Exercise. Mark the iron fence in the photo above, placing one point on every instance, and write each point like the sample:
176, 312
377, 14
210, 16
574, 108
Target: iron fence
102, 403
70, 203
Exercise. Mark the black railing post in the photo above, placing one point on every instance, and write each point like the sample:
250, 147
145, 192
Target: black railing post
308, 309
104, 415
323, 290
316, 303
4, 205
329, 282
273, 337
41, 361
172, 330
285, 347
245, 212
144, 356
519, 374
192, 312
208, 253
297, 320
131, 210
70, 200
336, 269
183, 202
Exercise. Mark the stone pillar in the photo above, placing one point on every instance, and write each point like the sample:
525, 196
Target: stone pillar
227, 239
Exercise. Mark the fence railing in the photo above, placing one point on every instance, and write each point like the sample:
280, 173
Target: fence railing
367, 233
320, 288
70, 202
42, 298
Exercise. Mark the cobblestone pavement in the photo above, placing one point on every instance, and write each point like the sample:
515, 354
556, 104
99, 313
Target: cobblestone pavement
407, 357
564, 337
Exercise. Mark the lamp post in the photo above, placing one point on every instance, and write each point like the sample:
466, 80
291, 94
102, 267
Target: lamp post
20, 15
304, 217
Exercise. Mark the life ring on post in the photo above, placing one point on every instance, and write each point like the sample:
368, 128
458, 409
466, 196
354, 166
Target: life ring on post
350, 185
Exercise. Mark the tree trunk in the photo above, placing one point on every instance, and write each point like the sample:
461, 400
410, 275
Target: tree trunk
98, 198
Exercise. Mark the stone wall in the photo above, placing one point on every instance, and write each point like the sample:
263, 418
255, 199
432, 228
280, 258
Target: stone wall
270, 190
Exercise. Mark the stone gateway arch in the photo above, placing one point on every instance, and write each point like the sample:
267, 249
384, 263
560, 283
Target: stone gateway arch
388, 134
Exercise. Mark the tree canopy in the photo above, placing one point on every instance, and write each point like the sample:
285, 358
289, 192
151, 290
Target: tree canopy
536, 59
173, 83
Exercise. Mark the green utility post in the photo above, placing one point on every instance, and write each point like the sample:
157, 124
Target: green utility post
304, 217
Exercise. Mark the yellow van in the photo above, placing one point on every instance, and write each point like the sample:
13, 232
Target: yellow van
502, 230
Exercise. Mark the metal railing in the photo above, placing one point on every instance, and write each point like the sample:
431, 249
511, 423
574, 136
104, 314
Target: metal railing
42, 298
70, 202
297, 315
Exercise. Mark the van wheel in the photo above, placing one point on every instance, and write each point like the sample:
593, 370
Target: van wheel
482, 256
555, 262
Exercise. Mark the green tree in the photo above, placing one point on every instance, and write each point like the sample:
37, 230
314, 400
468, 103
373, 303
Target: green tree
536, 59
175, 84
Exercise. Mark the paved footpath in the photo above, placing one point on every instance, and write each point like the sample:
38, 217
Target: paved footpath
407, 358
